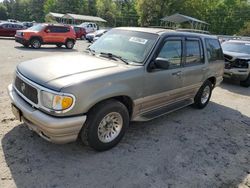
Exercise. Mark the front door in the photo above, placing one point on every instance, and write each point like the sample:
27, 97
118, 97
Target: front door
163, 86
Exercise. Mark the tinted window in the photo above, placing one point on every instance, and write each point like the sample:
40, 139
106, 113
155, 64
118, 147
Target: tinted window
77, 29
214, 51
5, 26
193, 52
172, 51
58, 29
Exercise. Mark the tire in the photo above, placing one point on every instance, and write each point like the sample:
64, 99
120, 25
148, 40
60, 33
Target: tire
82, 37
246, 83
59, 45
203, 95
69, 44
35, 43
96, 131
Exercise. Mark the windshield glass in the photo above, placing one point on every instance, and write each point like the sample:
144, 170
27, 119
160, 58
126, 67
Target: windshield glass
130, 45
38, 27
236, 47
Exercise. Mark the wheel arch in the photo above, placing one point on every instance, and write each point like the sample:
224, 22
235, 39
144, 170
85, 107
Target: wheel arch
36, 37
126, 100
212, 79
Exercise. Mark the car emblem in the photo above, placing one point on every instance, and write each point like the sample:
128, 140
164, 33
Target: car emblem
23, 87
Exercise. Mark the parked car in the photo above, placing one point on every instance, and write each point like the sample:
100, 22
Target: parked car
47, 34
237, 56
89, 27
129, 74
91, 37
8, 29
80, 33
28, 24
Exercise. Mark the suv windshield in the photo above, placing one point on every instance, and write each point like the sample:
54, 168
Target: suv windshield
239, 47
38, 27
132, 46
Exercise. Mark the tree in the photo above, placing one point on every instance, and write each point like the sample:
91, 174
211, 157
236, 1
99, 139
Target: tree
107, 9
49, 6
245, 31
3, 12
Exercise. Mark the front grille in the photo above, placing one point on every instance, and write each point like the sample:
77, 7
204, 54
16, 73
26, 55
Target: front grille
27, 90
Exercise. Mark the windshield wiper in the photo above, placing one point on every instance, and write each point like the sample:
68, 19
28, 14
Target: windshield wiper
110, 55
91, 51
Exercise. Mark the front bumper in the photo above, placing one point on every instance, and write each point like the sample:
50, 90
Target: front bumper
58, 130
236, 73
21, 40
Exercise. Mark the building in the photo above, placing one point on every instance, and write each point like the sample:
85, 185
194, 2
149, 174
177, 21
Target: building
73, 19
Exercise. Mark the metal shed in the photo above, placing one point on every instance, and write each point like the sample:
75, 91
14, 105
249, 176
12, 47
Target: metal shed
74, 18
179, 18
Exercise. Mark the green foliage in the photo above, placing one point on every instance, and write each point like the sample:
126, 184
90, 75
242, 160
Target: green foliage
224, 16
3, 12
107, 9
245, 31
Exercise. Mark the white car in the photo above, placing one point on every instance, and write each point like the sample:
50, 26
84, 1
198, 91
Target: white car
89, 27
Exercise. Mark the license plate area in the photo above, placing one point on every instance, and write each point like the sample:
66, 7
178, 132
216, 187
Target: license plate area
17, 113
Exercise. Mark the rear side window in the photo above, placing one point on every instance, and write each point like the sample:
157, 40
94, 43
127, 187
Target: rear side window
58, 29
77, 29
194, 52
214, 51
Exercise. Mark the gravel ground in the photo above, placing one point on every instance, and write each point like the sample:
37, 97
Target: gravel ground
188, 148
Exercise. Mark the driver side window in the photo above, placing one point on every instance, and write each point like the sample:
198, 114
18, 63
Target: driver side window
172, 52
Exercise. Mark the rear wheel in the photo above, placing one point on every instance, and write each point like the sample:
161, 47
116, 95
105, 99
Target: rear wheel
82, 37
203, 96
106, 125
69, 44
35, 43
246, 83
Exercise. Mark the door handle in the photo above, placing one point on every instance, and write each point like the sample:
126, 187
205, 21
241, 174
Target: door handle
177, 73
205, 69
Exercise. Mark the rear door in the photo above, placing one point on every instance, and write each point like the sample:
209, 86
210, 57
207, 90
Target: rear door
194, 65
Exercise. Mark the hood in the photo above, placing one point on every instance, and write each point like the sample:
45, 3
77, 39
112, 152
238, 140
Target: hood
48, 69
236, 55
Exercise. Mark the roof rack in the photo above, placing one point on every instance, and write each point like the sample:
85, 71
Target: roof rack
194, 31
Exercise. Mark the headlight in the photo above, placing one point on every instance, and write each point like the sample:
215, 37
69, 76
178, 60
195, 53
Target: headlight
56, 102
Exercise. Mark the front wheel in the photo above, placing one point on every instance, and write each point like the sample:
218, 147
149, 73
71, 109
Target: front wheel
69, 44
246, 83
203, 96
106, 125
35, 43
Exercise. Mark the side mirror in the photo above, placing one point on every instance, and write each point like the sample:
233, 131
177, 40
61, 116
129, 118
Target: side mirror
161, 63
